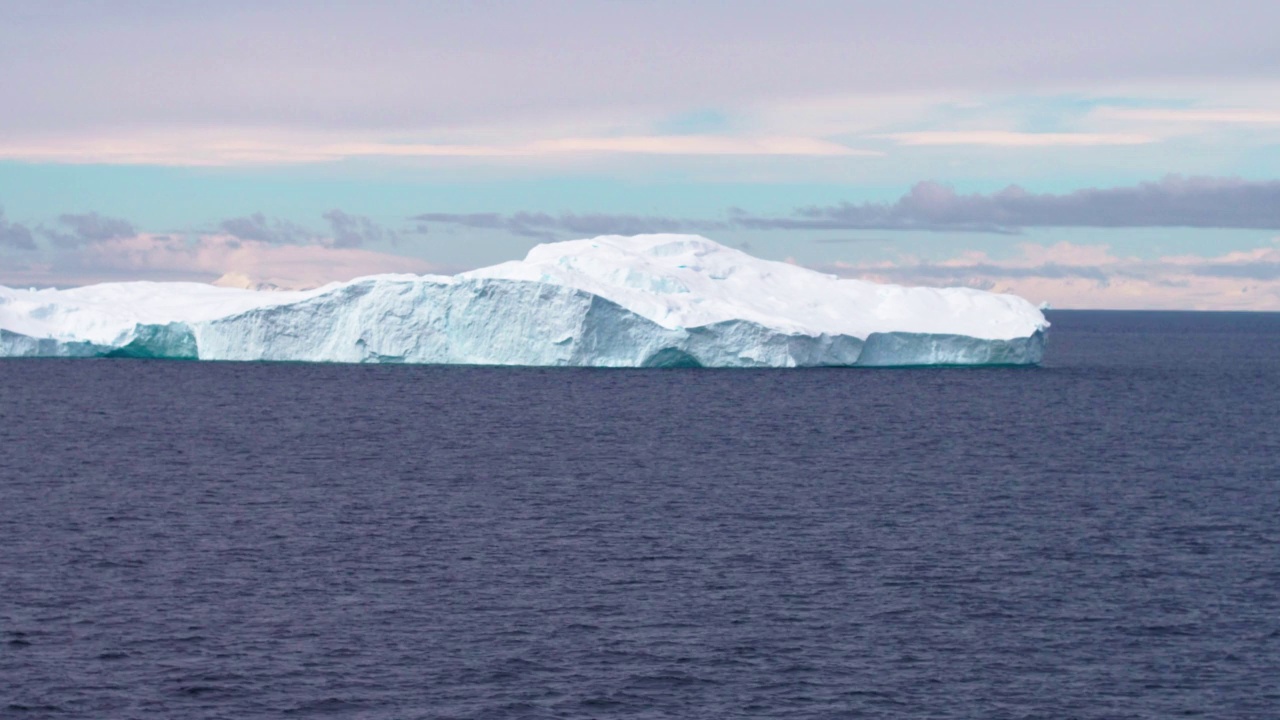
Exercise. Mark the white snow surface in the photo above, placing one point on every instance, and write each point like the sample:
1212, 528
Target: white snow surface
683, 281
613, 301
106, 314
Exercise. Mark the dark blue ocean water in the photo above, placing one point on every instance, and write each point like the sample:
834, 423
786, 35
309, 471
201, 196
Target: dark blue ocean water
1096, 538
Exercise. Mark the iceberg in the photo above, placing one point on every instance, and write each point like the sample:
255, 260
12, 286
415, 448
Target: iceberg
643, 301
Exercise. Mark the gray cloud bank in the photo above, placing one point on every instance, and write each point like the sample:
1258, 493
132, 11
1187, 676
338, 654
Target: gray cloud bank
1175, 201
345, 230
1198, 202
356, 230
264, 229
1171, 202
76, 230
15, 235
71, 231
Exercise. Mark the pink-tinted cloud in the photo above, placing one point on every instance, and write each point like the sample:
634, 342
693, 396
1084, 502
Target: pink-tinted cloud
1000, 138
397, 64
210, 258
1090, 276
202, 147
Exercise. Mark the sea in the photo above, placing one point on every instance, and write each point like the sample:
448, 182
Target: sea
1098, 537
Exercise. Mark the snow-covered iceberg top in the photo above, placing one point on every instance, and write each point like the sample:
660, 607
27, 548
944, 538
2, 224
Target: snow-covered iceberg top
649, 300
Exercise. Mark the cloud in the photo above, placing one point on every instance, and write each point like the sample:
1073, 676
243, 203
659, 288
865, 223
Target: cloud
1209, 116
543, 226
345, 230
272, 147
1089, 276
1172, 202
356, 230
698, 145
997, 138
15, 235
360, 65
248, 250
207, 258
76, 230
269, 230
850, 240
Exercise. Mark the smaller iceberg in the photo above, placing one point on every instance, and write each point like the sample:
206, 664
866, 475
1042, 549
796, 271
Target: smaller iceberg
644, 301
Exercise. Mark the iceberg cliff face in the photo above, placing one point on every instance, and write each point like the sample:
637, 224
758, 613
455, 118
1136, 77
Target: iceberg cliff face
646, 301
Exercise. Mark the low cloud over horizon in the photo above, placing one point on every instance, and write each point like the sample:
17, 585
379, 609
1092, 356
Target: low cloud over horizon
218, 259
259, 250
248, 251
1078, 276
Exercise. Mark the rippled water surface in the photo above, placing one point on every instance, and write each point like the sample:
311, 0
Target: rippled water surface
1096, 538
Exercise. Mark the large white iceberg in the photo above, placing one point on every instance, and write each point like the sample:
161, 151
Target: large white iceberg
645, 301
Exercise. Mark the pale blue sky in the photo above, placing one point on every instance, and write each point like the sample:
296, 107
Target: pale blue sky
1123, 124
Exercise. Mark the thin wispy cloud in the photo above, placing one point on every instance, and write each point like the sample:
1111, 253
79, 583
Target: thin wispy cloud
545, 226
1000, 138
269, 147
700, 145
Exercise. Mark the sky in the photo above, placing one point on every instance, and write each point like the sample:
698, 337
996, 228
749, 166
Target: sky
1085, 154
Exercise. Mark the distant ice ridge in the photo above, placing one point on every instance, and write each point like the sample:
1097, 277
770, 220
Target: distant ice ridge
644, 301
